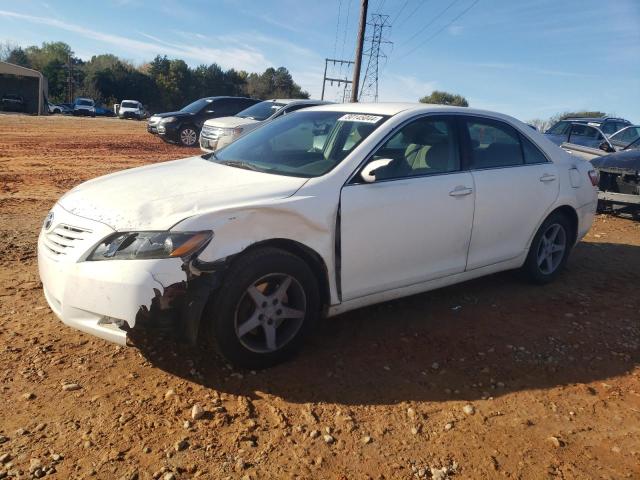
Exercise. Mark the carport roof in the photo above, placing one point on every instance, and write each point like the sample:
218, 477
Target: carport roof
12, 69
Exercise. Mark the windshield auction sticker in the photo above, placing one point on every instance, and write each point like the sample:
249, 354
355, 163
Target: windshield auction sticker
355, 117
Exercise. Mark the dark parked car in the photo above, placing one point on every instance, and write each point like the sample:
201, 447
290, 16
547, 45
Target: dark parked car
183, 127
559, 132
104, 112
12, 103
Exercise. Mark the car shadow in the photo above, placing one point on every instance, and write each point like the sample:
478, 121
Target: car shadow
479, 339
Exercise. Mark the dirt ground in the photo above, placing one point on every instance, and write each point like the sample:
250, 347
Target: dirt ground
489, 379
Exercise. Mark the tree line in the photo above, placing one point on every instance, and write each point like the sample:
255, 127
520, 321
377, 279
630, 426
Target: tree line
162, 84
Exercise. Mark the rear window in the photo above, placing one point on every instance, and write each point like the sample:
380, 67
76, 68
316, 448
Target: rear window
84, 103
129, 104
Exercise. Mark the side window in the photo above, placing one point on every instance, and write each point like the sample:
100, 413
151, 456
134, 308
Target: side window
423, 147
585, 135
493, 144
532, 154
222, 107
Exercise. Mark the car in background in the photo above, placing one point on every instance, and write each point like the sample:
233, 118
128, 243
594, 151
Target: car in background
84, 106
102, 111
183, 127
132, 109
11, 102
559, 132
589, 141
60, 108
313, 214
619, 183
219, 132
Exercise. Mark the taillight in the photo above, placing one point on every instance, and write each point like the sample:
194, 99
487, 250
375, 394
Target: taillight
594, 176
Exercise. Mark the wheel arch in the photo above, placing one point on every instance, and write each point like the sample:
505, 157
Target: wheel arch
570, 213
312, 258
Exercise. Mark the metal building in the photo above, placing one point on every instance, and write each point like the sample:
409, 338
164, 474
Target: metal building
28, 83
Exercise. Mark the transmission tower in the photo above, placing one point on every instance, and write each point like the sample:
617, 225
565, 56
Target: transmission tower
378, 25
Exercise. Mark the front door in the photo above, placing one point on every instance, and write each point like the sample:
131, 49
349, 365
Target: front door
413, 223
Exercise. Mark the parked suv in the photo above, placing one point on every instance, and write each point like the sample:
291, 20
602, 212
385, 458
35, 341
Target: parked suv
559, 132
132, 109
218, 132
183, 127
84, 106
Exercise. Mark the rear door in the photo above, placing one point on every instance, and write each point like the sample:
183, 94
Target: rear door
515, 184
585, 141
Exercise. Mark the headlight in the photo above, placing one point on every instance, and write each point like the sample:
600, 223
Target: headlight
147, 245
168, 119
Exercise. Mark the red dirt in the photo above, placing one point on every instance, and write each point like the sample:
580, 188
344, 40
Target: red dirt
552, 372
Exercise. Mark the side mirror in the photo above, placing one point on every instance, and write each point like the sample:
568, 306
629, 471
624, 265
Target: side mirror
606, 147
368, 173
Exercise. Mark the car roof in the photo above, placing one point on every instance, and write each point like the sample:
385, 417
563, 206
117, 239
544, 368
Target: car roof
397, 107
136, 101
595, 119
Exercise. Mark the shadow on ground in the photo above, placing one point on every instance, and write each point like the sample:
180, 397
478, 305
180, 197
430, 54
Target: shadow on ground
487, 337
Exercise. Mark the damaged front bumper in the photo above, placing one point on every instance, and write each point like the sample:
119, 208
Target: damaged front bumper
114, 299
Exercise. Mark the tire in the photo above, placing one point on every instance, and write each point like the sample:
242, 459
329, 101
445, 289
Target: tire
546, 260
188, 136
259, 290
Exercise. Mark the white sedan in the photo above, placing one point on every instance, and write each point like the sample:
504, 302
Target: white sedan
314, 214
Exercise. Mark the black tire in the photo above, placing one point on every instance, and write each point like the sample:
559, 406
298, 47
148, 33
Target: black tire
222, 315
542, 274
188, 140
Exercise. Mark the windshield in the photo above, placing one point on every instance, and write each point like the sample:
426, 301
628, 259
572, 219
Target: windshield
196, 106
86, 103
559, 128
627, 137
260, 111
129, 105
307, 144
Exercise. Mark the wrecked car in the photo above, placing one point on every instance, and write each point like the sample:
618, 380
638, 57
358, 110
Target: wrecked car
314, 214
619, 185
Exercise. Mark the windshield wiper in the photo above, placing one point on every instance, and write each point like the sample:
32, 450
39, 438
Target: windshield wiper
239, 164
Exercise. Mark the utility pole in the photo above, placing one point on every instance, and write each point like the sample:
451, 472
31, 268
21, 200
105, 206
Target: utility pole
358, 60
339, 81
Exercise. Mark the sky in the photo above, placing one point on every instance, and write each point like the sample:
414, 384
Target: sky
530, 59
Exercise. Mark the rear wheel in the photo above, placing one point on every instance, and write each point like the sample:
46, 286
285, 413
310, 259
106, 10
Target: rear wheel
549, 250
267, 305
188, 136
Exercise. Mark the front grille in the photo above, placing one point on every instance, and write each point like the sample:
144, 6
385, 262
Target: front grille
63, 238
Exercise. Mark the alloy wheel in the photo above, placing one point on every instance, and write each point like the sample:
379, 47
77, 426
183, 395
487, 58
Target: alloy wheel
551, 248
270, 313
188, 136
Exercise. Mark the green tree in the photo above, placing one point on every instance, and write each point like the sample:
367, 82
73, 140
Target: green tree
445, 98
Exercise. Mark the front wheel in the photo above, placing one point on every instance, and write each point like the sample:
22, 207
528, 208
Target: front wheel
267, 305
188, 136
549, 250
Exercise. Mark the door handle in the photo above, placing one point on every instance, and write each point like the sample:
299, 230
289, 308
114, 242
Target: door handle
547, 177
460, 191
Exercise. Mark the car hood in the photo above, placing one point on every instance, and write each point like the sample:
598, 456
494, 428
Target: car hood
229, 122
156, 197
624, 160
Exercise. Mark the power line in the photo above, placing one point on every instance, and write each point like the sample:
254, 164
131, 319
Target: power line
420, 4
404, 5
335, 42
378, 24
440, 30
423, 29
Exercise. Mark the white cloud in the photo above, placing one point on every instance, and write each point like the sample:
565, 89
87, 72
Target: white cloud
403, 88
228, 57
